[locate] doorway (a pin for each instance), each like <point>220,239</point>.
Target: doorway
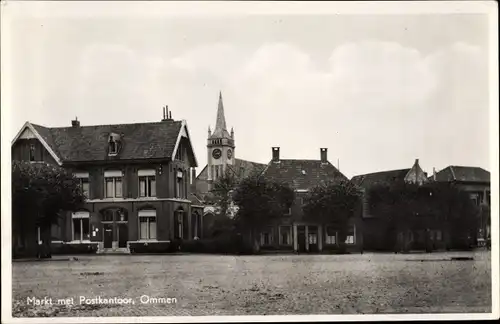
<point>108,236</point>
<point>301,238</point>
<point>122,235</point>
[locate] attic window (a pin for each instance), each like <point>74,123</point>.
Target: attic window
<point>113,145</point>
<point>32,152</point>
<point>178,154</point>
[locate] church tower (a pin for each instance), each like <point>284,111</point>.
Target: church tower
<point>220,147</point>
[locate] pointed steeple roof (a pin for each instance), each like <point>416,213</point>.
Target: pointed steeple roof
<point>220,130</point>
<point>220,123</point>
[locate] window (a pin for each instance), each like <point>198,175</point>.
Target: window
<point>350,238</point>
<point>113,148</point>
<point>147,224</point>
<point>32,152</point>
<point>195,220</point>
<point>180,187</point>
<point>330,235</point>
<point>285,235</point>
<point>107,215</point>
<point>266,238</point>
<point>288,211</point>
<point>312,238</point>
<point>147,183</point>
<point>39,235</point>
<point>178,154</point>
<point>438,235</point>
<point>81,226</point>
<point>83,178</point>
<point>113,184</point>
<point>180,223</point>
<point>216,172</point>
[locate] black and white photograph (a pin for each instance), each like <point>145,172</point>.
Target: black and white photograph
<point>214,161</point>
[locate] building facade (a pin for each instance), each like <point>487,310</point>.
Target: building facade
<point>476,182</point>
<point>293,231</point>
<point>136,178</point>
<point>378,234</point>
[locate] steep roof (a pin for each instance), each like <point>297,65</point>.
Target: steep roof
<point>302,174</point>
<point>463,174</point>
<point>376,178</point>
<point>156,140</point>
<point>220,130</point>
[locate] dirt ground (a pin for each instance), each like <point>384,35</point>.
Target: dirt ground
<point>199,285</point>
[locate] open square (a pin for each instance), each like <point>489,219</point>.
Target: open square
<point>205,285</point>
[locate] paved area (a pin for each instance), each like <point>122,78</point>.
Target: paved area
<point>254,285</point>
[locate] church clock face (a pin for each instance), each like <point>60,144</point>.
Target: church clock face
<point>229,154</point>
<point>216,154</point>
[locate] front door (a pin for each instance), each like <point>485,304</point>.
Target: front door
<point>301,238</point>
<point>122,235</point>
<point>108,236</point>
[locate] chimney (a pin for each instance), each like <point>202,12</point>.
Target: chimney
<point>324,156</point>
<point>165,113</point>
<point>434,175</point>
<point>169,115</point>
<point>416,161</point>
<point>276,154</point>
<point>75,123</point>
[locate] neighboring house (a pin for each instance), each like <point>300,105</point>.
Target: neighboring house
<point>376,235</point>
<point>136,178</point>
<point>292,231</point>
<point>473,180</point>
<point>221,160</point>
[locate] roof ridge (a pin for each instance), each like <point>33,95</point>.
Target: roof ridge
<point>122,124</point>
<point>379,172</point>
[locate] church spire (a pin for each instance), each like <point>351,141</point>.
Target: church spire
<point>220,123</point>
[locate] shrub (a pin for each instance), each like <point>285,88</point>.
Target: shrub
<point>151,247</point>
<point>61,248</point>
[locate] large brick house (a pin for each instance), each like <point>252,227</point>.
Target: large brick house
<point>136,178</point>
<point>476,182</point>
<point>377,235</point>
<point>292,231</point>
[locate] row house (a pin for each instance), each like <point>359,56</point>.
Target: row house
<point>136,177</point>
<point>293,231</point>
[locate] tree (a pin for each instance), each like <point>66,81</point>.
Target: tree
<point>259,201</point>
<point>333,203</point>
<point>40,192</point>
<point>404,207</point>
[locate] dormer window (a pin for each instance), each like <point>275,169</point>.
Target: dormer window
<point>113,144</point>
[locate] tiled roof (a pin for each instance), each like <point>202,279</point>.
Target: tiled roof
<point>89,143</point>
<point>302,174</point>
<point>243,168</point>
<point>384,177</point>
<point>463,174</point>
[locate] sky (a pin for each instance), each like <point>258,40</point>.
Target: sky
<point>378,91</point>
